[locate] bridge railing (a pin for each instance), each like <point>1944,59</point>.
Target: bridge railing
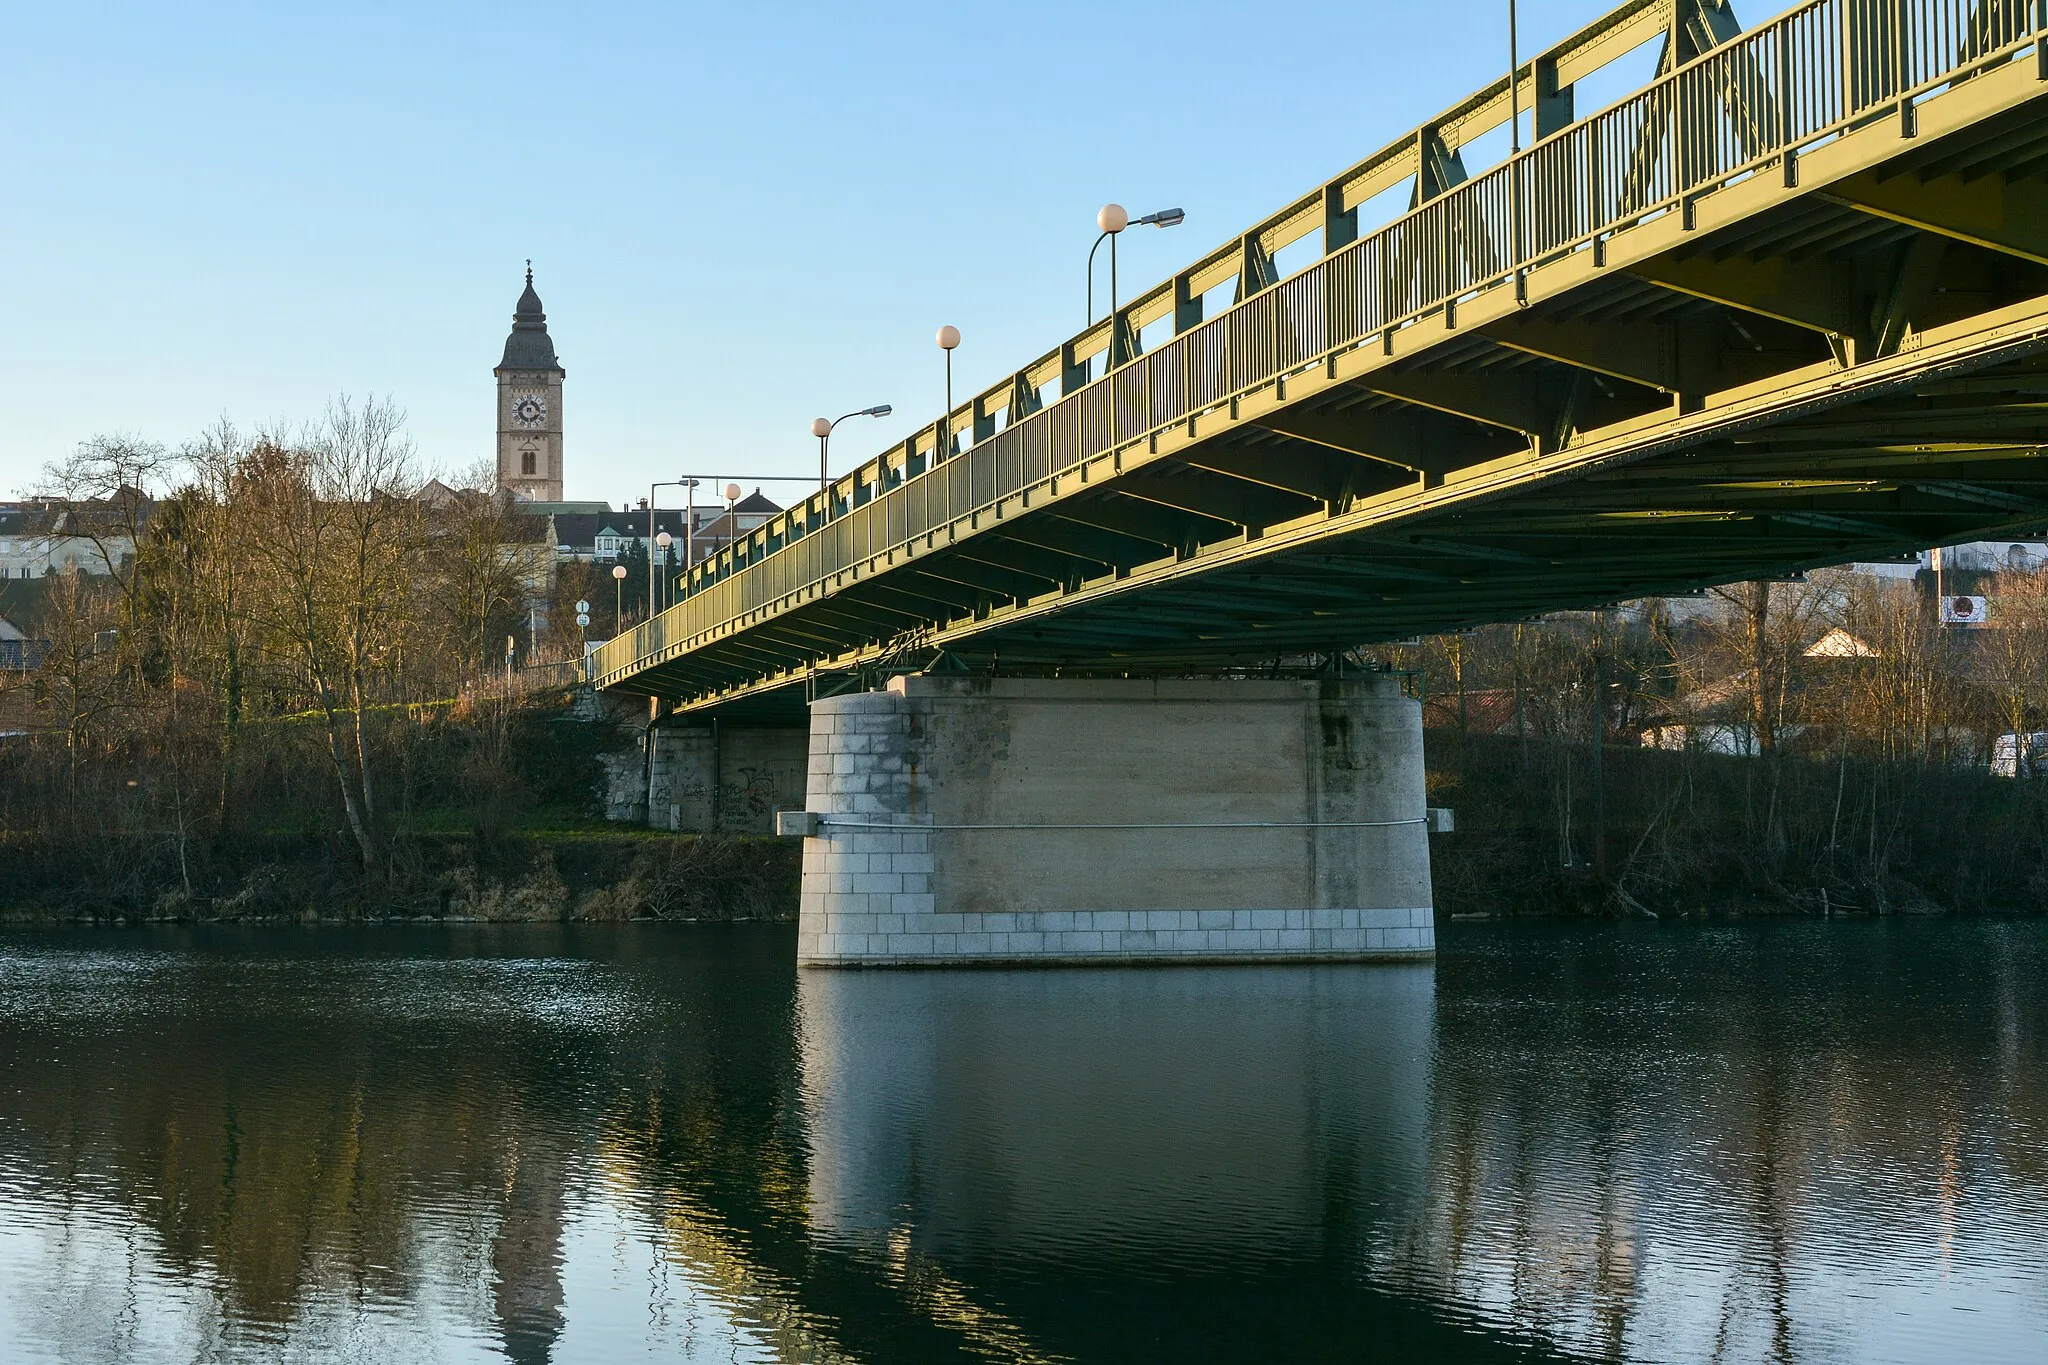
<point>1745,107</point>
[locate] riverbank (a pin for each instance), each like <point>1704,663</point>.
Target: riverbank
<point>489,808</point>
<point>590,875</point>
<point>1550,829</point>
<point>497,816</point>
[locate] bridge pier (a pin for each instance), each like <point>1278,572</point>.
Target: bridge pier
<point>713,777</point>
<point>975,820</point>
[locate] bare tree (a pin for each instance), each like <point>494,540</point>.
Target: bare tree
<point>80,679</point>
<point>102,492</point>
<point>488,562</point>
<point>2015,657</point>
<point>334,534</point>
<point>1762,639</point>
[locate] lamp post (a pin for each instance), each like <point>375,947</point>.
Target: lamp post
<point>662,542</point>
<point>821,427</point>
<point>1113,219</point>
<point>664,483</point>
<point>690,483</point>
<point>1514,87</point>
<point>1514,158</point>
<point>618,599</point>
<point>689,523</point>
<point>948,338</point>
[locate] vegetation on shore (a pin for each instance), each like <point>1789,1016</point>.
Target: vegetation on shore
<point>1820,746</point>
<point>494,817</point>
<point>291,701</point>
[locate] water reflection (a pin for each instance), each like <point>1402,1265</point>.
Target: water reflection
<point>241,1146</point>
<point>1201,1115</point>
<point>1803,1142</point>
<point>998,1139</point>
<point>1782,1142</point>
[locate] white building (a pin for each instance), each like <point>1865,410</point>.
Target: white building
<point>1977,556</point>
<point>38,538</point>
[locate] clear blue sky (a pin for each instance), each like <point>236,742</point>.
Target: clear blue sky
<point>740,216</point>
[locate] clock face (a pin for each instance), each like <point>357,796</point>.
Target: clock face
<point>530,409</point>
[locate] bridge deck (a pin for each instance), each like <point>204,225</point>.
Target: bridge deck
<point>1784,307</point>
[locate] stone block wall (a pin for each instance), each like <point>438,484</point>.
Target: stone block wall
<point>739,774</point>
<point>1087,821</point>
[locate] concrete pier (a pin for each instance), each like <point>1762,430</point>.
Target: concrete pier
<point>965,820</point>
<point>732,778</point>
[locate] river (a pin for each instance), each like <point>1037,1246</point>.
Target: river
<point>1759,1141</point>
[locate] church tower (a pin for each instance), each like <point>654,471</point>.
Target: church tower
<point>530,405</point>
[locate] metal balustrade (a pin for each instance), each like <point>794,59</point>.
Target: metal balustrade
<point>1744,107</point>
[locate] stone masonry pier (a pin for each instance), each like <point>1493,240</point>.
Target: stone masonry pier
<point>964,820</point>
<point>707,778</point>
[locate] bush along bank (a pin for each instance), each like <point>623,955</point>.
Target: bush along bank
<point>594,876</point>
<point>489,807</point>
<point>1550,828</point>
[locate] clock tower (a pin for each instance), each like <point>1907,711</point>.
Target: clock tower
<point>530,405</point>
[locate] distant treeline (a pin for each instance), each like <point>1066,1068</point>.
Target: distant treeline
<point>1820,745</point>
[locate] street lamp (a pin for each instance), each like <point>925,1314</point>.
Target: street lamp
<point>651,537</point>
<point>691,482</point>
<point>618,598</point>
<point>1514,87</point>
<point>948,338</point>
<point>689,523</point>
<point>821,428</point>
<point>1514,157</point>
<point>1113,219</point>
<point>661,543</point>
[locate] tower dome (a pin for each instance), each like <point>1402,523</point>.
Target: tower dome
<point>529,347</point>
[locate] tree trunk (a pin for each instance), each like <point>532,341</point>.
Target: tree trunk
<point>231,718</point>
<point>1599,767</point>
<point>1763,693</point>
<point>355,687</point>
<point>337,754</point>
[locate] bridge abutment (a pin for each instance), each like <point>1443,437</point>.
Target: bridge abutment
<point>967,820</point>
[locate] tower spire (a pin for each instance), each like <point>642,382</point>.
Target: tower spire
<point>530,404</point>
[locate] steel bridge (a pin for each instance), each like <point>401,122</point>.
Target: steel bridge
<point>1786,306</point>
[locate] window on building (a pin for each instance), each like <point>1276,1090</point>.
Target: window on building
<point>526,462</point>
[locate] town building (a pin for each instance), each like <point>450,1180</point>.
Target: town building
<point>23,642</point>
<point>603,536</point>
<point>530,404</point>
<point>47,535</point>
<point>529,464</point>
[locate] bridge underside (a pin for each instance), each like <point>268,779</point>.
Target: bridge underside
<point>1777,377</point>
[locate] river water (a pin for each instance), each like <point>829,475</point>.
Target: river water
<point>1806,1141</point>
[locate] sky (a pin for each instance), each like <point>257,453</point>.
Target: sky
<point>740,217</point>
